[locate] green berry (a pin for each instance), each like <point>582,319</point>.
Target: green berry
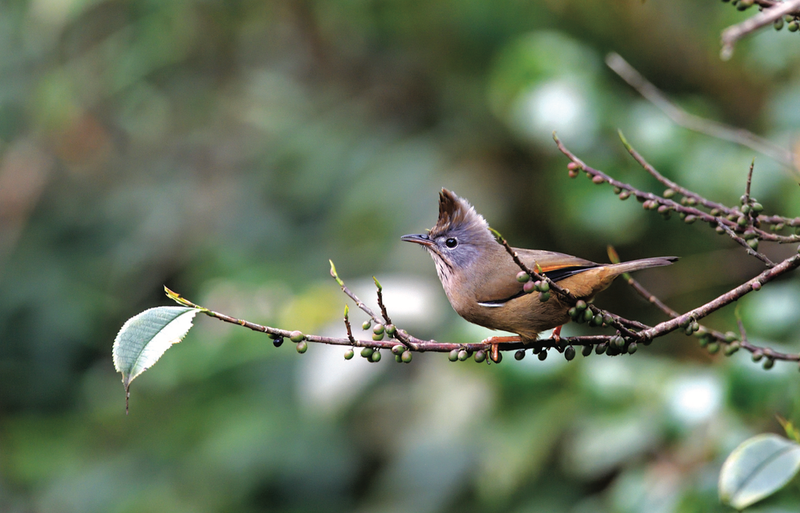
<point>377,336</point>
<point>544,287</point>
<point>296,336</point>
<point>523,277</point>
<point>453,356</point>
<point>367,352</point>
<point>366,325</point>
<point>398,349</point>
<point>572,312</point>
<point>529,287</point>
<point>601,348</point>
<point>713,347</point>
<point>406,356</point>
<point>624,195</point>
<point>598,179</point>
<point>632,347</point>
<point>669,193</point>
<point>597,320</point>
<point>778,24</point>
<point>544,296</point>
<point>732,348</point>
<point>378,329</point>
<point>768,363</point>
<point>793,26</point>
<point>391,329</point>
<point>348,355</point>
<point>463,355</point>
<point>730,336</point>
<point>376,356</point>
<point>569,353</point>
<point>757,355</point>
<point>519,355</point>
<point>302,347</point>
<point>690,219</point>
<point>587,315</point>
<point>587,350</point>
<point>753,243</point>
<point>480,356</point>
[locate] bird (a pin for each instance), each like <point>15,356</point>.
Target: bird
<point>479,277</point>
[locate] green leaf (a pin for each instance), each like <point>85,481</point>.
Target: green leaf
<point>145,337</point>
<point>757,468</point>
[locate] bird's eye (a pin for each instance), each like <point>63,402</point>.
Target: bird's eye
<point>451,243</point>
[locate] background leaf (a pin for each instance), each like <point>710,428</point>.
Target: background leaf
<point>758,468</point>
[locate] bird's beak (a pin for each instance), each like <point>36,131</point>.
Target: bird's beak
<point>418,238</point>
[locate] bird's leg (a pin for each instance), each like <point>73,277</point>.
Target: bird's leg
<point>557,334</point>
<point>495,341</point>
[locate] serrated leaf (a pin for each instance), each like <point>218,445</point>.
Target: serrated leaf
<point>145,337</point>
<point>759,467</point>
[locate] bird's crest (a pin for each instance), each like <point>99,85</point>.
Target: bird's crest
<point>456,213</point>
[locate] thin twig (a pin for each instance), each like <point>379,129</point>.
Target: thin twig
<point>705,126</point>
<point>746,246</point>
<point>734,33</point>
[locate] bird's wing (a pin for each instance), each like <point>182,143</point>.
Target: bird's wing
<point>504,285</point>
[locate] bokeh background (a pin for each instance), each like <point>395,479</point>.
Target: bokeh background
<point>229,149</point>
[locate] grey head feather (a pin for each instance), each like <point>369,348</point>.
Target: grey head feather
<point>458,220</point>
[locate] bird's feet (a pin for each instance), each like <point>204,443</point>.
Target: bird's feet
<point>494,354</point>
<point>557,334</point>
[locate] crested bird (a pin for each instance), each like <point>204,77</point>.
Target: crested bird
<point>479,276</point>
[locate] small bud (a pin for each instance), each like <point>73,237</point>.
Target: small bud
<point>732,348</point>
<point>544,296</point>
<point>742,221</point>
<point>587,350</point>
<point>617,190</point>
<point>376,356</point>
<point>480,356</point>
<point>624,195</point>
<point>690,219</point>
<point>453,356</point>
<point>572,173</point>
<point>768,363</point>
<point>758,207</point>
<point>569,353</point>
<point>749,234</point>
<point>632,347</point>
<point>757,355</point>
<point>713,347</point>
<point>349,354</point>
<point>296,336</point>
<point>669,193</point>
<point>398,349</point>
<point>753,243</point>
<point>793,26</point>
<point>778,24</point>
<point>714,212</point>
<point>756,286</point>
<point>523,277</point>
<point>463,355</point>
<point>302,346</point>
<point>366,325</point>
<point>704,341</point>
<point>572,166</point>
<point>598,179</point>
<point>719,229</point>
<point>730,336</point>
<point>278,342</point>
<point>542,355</point>
<point>777,227</point>
<point>745,209</point>
<point>519,355</point>
<point>406,356</point>
<point>367,352</point>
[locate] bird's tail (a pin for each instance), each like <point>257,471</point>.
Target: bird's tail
<point>644,263</point>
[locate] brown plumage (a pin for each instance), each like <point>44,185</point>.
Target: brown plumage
<point>479,277</point>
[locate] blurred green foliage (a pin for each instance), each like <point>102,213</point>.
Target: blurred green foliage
<point>229,149</point>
